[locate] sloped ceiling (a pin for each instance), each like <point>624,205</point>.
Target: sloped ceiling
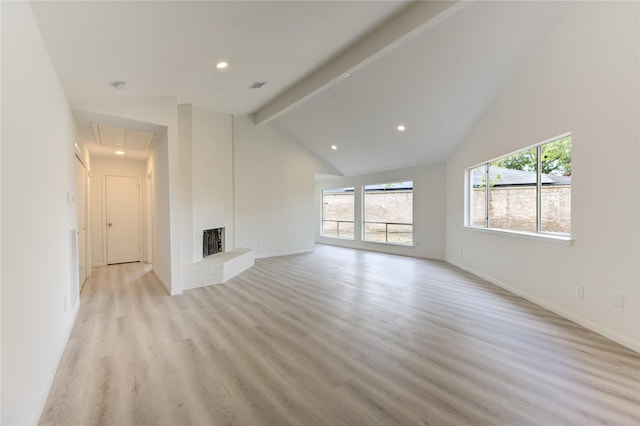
<point>438,81</point>
<point>438,85</point>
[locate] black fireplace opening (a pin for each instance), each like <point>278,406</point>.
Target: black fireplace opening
<point>212,241</point>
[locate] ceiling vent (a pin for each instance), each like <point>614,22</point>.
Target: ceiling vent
<point>257,84</point>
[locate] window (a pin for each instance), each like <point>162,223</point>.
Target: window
<point>338,213</point>
<point>388,213</point>
<point>528,191</point>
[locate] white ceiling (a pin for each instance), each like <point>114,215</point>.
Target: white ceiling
<point>170,48</point>
<point>438,80</point>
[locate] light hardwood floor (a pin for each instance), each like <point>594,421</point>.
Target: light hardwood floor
<point>334,337</point>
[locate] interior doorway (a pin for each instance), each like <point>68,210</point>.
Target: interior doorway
<point>123,223</point>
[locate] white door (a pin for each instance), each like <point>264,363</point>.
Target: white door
<point>122,200</point>
<point>81,205</point>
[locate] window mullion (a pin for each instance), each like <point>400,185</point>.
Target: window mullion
<point>486,203</point>
<point>538,188</point>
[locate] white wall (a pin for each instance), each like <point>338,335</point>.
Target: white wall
<point>158,169</point>
<point>100,168</point>
<point>206,174</point>
<point>185,197</point>
<point>428,210</point>
<point>212,177</point>
<point>583,79</point>
<point>82,152</point>
<point>38,136</point>
<point>274,190</point>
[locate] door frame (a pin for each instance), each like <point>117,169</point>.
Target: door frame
<point>87,240</point>
<point>104,214</point>
<point>149,216</point>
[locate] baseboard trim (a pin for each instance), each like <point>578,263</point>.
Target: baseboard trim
<point>163,282</point>
<point>371,249</point>
<point>60,352</point>
<point>286,253</point>
<point>603,331</point>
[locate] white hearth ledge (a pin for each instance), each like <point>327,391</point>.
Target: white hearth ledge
<point>217,269</point>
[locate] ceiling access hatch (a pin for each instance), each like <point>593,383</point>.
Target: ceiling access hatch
<point>120,137</point>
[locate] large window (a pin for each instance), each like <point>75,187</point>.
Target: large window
<point>528,191</point>
<point>338,213</point>
<point>388,213</point>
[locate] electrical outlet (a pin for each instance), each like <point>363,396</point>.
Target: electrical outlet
<point>618,300</point>
<point>580,291</point>
<point>66,303</point>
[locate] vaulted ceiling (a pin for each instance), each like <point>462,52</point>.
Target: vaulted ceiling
<point>434,67</point>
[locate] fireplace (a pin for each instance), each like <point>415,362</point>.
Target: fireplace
<point>212,241</point>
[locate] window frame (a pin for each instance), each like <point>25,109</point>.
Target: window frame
<point>363,222</point>
<point>323,220</point>
<point>539,233</point>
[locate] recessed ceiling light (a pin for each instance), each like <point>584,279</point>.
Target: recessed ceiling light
<point>120,85</point>
<point>334,147</point>
<point>401,127</point>
<point>119,152</point>
<point>345,75</point>
<point>222,65</point>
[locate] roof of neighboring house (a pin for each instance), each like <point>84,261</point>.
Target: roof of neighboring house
<point>393,186</point>
<point>500,176</point>
<point>338,190</point>
<point>390,186</point>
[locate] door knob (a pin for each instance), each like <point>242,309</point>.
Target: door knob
<point>109,224</point>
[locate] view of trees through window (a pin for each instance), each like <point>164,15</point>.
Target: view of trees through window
<point>527,191</point>
<point>338,210</point>
<point>388,213</point>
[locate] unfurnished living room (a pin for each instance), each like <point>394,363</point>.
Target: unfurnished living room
<point>320,212</point>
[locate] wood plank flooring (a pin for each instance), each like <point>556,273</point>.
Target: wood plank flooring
<point>334,337</point>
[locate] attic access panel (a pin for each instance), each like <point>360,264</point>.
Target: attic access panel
<point>120,137</point>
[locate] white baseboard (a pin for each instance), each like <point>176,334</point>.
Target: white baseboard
<point>163,282</point>
<point>603,331</point>
<point>59,353</point>
<point>381,250</point>
<point>286,253</point>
